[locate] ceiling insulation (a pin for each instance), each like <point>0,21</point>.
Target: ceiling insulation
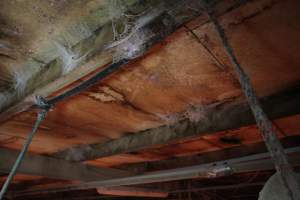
<point>175,101</point>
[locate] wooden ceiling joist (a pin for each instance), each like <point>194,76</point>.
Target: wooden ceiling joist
<point>141,120</point>
<point>55,168</point>
<point>131,192</point>
<point>227,116</point>
<point>208,157</point>
<point>59,169</point>
<point>250,163</point>
<point>182,13</point>
<point>157,24</point>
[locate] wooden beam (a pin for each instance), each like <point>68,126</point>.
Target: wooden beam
<point>154,23</point>
<point>207,157</point>
<point>131,192</point>
<point>55,168</point>
<point>99,58</point>
<point>225,117</point>
<point>257,162</point>
<point>59,169</point>
<point>82,71</point>
<point>158,165</point>
<point>241,151</point>
<point>220,187</point>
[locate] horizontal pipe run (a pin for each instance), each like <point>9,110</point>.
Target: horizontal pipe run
<point>255,162</point>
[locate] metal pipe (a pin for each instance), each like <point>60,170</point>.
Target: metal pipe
<point>206,171</point>
<point>86,84</point>
<point>219,187</point>
<point>209,170</point>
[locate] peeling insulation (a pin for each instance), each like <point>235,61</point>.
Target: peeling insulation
<point>65,51</point>
<point>176,103</point>
<point>119,30</point>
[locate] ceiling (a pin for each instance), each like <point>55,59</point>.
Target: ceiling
<point>177,103</point>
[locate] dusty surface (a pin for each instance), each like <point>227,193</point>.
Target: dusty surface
<point>176,74</point>
<point>289,126</point>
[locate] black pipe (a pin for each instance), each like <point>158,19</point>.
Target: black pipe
<point>84,85</point>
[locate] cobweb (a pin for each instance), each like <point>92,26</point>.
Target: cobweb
<point>128,37</point>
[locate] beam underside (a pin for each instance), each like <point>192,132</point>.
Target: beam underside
<point>257,162</point>
<point>226,117</point>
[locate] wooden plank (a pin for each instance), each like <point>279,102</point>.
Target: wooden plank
<point>54,86</point>
<point>98,60</point>
<point>55,168</point>
<point>213,156</point>
<point>131,192</point>
<point>149,77</point>
<point>221,187</point>
<point>227,116</point>
<point>256,162</point>
<point>96,44</point>
<point>201,145</point>
<point>59,169</point>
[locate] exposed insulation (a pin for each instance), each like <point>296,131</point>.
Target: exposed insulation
<point>180,100</point>
<point>71,46</point>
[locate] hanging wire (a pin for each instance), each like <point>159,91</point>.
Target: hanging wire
<point>264,124</point>
<point>44,108</point>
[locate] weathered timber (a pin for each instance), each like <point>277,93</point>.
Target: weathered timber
<point>214,156</point>
<point>59,169</point>
<point>97,57</point>
<point>131,192</point>
<point>250,163</point>
<point>164,18</point>
<point>220,187</point>
<point>224,117</point>
<point>56,168</point>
